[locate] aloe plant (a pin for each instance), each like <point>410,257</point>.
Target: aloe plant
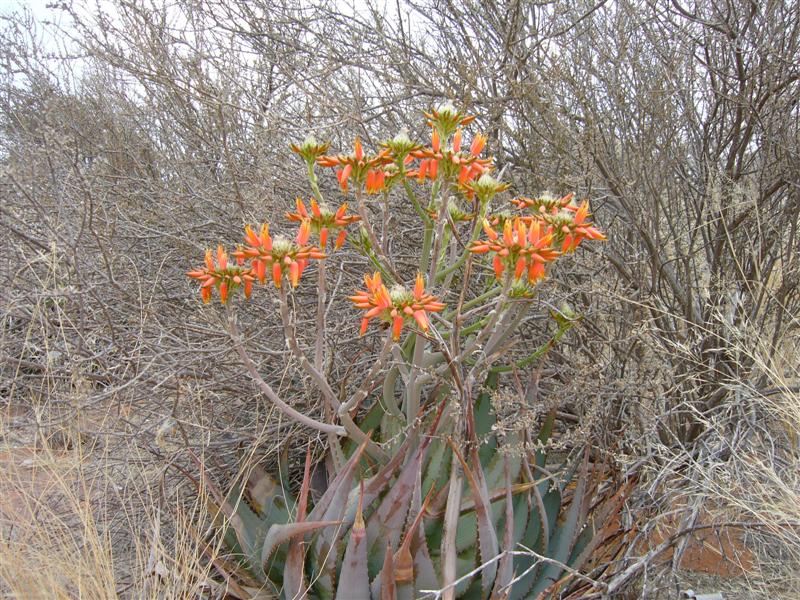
<point>424,495</point>
<point>391,530</point>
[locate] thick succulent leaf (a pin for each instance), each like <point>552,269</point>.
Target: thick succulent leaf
<point>334,500</point>
<point>386,523</point>
<point>294,585</point>
<point>466,562</point>
<point>279,534</point>
<point>424,571</point>
<point>565,532</point>
<point>371,421</point>
<point>268,499</point>
<point>332,506</point>
<point>544,435</point>
<point>494,469</point>
<point>487,536</point>
<point>391,431</point>
<point>474,591</point>
<point>384,587</point>
<point>505,568</point>
<point>437,470</point>
<point>376,484</point>
<point>239,517</point>
<point>449,552</point>
<point>353,578</point>
<point>485,419</point>
<point>544,511</point>
<point>467,535</point>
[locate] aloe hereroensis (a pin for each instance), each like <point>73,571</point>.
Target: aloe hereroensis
<point>426,493</point>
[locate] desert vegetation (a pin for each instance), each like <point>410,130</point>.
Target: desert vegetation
<point>645,388</point>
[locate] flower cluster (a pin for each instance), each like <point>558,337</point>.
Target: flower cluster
<point>396,306</point>
<point>222,275</point>
<point>359,167</point>
<point>518,243</point>
<point>446,118</point>
<point>451,162</point>
<point>310,150</point>
<point>571,227</point>
<point>548,227</point>
<point>280,254</point>
<point>523,248</point>
<point>545,203</point>
<point>324,221</point>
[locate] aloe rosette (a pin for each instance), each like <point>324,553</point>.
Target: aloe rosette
<point>382,531</point>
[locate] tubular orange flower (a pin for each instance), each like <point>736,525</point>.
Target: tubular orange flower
<point>397,306</point>
<point>222,275</point>
<point>523,248</point>
<point>283,255</point>
<point>571,228</point>
<point>451,163</point>
<point>478,144</point>
<point>457,140</point>
<point>323,221</point>
<point>356,165</point>
<point>376,181</point>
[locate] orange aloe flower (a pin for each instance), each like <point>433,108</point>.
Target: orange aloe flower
<point>324,221</point>
<point>397,306</point>
<point>358,166</point>
<point>478,144</point>
<point>525,249</point>
<point>282,255</point>
<point>451,161</point>
<point>546,203</point>
<point>222,275</point>
<point>446,118</point>
<point>571,228</point>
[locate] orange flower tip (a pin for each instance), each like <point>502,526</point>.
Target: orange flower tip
<point>359,150</point>
<point>457,141</point>
<point>397,327</point>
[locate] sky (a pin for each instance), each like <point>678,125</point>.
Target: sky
<point>38,8</point>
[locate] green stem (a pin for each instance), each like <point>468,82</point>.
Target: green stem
<point>414,202</point>
<point>537,354</point>
<point>476,230</point>
<point>312,179</point>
